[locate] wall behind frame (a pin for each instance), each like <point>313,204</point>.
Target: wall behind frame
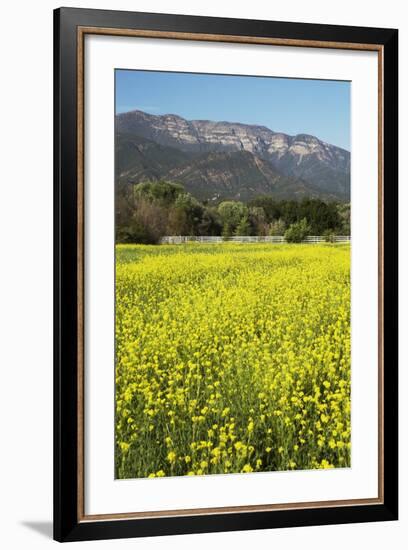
<point>26,274</point>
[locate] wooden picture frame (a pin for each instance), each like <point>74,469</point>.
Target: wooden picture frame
<point>70,28</point>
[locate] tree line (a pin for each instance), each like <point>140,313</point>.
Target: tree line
<point>150,210</point>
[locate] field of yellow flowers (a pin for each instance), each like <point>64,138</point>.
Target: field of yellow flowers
<point>231,358</point>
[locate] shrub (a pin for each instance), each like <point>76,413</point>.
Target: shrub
<point>329,236</point>
<point>297,231</point>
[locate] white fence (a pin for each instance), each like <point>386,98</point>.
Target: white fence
<point>180,239</point>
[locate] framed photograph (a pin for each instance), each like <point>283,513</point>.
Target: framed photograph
<point>225,274</point>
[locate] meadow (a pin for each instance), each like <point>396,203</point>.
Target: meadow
<point>231,358</point>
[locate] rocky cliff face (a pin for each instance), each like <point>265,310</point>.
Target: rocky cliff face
<point>325,167</point>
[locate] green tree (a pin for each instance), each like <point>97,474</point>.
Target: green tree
<point>192,212</point>
<point>210,223</point>
<point>277,227</point>
<point>163,192</point>
<point>271,207</point>
<point>321,216</point>
<point>344,214</point>
<point>231,213</point>
<point>226,231</point>
<point>146,224</point>
<point>257,220</point>
<point>297,231</point>
<point>243,228</point>
<point>177,222</point>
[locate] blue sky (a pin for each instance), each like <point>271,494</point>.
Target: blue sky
<point>292,106</point>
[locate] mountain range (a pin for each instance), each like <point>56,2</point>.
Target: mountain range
<point>228,160</point>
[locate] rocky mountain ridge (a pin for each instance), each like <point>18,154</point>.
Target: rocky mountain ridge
<point>304,158</point>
